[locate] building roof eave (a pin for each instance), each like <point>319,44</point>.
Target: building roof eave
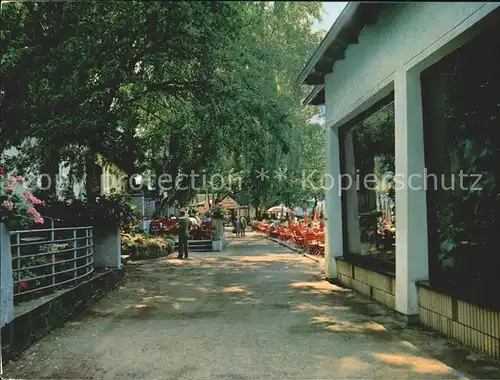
<point>344,32</point>
<point>316,97</point>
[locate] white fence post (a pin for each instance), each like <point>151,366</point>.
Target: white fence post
<point>108,249</point>
<point>218,242</point>
<point>6,280</point>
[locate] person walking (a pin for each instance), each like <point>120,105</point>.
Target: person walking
<point>184,226</point>
<point>237,226</point>
<point>243,222</point>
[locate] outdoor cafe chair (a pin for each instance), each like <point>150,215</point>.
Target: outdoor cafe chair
<point>310,242</point>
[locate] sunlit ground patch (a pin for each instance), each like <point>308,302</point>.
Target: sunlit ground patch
<point>308,306</point>
<point>336,325</point>
<point>321,286</point>
<point>189,299</point>
<point>235,289</point>
<point>415,363</point>
<point>270,258</point>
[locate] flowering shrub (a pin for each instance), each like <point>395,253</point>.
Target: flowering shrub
<point>217,212</point>
<point>17,205</point>
<point>144,246</point>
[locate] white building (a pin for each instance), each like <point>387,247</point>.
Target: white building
<point>372,52</point>
<point>110,176</point>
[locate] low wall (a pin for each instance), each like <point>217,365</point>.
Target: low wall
<point>472,325</point>
<point>34,323</point>
<point>377,285</point>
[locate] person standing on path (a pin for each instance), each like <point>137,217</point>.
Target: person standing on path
<point>237,226</point>
<point>243,222</point>
<point>184,226</point>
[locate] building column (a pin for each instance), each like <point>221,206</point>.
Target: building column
<point>411,205</point>
<point>333,204</point>
<point>351,194</point>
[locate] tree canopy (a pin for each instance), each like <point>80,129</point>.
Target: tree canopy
<point>163,86</point>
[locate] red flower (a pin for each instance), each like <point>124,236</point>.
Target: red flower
<point>2,171</point>
<point>21,285</point>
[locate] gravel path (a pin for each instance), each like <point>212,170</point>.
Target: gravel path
<point>254,311</point>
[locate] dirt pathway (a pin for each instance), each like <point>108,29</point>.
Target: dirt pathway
<point>254,311</point>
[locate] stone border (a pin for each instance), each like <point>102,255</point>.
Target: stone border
<point>471,325</point>
<point>32,325</point>
<point>378,286</point>
<point>294,249</point>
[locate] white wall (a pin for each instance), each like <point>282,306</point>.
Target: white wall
<point>403,35</point>
<point>390,56</point>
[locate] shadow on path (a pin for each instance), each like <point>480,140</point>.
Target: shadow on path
<point>255,310</point>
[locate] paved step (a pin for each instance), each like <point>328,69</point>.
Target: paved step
<point>197,245</point>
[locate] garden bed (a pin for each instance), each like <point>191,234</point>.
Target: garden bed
<point>144,246</point>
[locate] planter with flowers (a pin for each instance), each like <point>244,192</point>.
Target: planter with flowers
<point>217,215</point>
<point>144,246</point>
<point>17,211</point>
<point>109,215</point>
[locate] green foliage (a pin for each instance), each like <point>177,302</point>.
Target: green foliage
<point>103,212</point>
<point>162,86</point>
<point>471,216</point>
<point>217,212</point>
<point>49,256</point>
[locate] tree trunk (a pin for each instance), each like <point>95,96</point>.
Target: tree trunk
<point>93,173</point>
<point>50,166</point>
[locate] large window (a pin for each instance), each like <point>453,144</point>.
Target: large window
<point>461,105</point>
<point>367,161</point>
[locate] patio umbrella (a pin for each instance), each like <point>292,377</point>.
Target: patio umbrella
<point>276,209</point>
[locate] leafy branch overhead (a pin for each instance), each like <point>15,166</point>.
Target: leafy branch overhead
<point>166,86</point>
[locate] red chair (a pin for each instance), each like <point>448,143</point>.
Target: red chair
<point>289,234</point>
<point>273,232</point>
<point>298,238</point>
<point>320,248</point>
<point>310,242</point>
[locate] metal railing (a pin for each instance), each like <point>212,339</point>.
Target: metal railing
<point>46,260</point>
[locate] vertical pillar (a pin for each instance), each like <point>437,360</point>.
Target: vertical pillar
<point>411,205</point>
<point>107,248</point>
<point>6,280</point>
<point>333,204</point>
<point>351,194</point>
